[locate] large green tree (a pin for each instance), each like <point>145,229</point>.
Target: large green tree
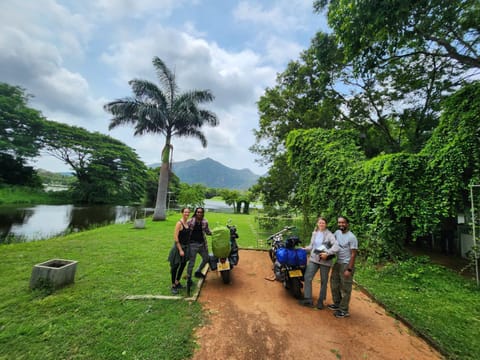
<point>107,170</point>
<point>377,31</point>
<point>394,198</point>
<point>394,109</point>
<point>19,127</point>
<point>163,110</point>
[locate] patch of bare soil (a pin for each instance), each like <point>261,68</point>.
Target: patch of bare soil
<point>256,318</point>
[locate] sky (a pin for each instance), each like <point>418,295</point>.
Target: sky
<point>75,56</point>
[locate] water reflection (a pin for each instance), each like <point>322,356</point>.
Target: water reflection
<point>44,221</point>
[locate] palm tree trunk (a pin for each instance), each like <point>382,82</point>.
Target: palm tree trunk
<point>160,213</point>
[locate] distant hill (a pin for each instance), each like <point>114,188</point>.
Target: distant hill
<point>212,174</point>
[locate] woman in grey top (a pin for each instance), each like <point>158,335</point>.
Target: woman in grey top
<point>322,241</point>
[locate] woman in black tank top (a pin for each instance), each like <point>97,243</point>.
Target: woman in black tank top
<point>178,256</point>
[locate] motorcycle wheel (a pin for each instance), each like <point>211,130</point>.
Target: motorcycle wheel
<point>225,276</point>
<point>271,253</point>
<point>294,285</point>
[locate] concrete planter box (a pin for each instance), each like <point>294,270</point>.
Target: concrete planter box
<point>54,273</point>
<point>139,224</point>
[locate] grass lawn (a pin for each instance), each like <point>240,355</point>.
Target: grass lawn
<point>25,195</point>
<point>435,301</point>
<point>91,319</point>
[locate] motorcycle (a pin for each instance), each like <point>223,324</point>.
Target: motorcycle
<point>289,262</point>
<point>225,252</point>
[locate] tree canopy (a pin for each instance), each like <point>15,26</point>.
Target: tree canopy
<point>375,31</point>
<point>163,110</point>
<point>107,170</point>
<point>354,125</point>
<point>20,126</point>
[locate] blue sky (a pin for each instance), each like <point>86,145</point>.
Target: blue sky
<point>74,56</point>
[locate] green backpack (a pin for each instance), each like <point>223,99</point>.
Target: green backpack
<point>221,241</point>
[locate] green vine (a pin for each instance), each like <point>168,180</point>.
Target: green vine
<point>391,199</point>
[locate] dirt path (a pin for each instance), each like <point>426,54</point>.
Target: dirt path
<point>254,318</point>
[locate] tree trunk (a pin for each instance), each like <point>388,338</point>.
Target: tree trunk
<point>160,213</point>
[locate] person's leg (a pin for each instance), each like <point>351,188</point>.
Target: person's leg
<point>173,272</point>
<point>335,283</point>
<point>324,271</point>
<point>310,272</point>
<point>204,254</point>
<point>180,271</point>
<point>346,290</point>
<point>193,249</point>
<point>183,263</point>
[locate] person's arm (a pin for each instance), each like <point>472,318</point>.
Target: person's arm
<point>177,241</point>
<point>207,229</point>
<point>332,250</point>
<point>310,246</point>
<point>351,263</point>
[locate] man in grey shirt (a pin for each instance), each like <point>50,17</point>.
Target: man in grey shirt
<point>341,278</point>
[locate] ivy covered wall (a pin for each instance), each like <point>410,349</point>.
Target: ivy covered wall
<point>391,199</point>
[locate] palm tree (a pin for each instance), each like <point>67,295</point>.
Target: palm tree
<point>163,110</point>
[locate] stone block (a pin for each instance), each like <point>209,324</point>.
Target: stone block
<point>54,273</point>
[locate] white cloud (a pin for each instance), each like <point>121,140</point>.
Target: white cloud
<point>280,16</point>
<point>76,56</point>
<point>113,10</point>
<point>197,63</point>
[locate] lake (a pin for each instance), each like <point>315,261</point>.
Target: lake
<point>36,222</point>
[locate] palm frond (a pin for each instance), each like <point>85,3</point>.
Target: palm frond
<point>147,91</point>
<point>196,133</point>
<point>196,96</point>
<point>123,110</point>
<point>209,117</point>
<point>161,109</point>
<point>166,77</point>
<point>151,119</point>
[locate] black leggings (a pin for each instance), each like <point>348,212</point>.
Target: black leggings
<point>177,270</point>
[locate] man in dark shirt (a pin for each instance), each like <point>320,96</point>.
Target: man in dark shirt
<point>198,226</point>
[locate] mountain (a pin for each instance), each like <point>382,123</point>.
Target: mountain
<point>212,174</point>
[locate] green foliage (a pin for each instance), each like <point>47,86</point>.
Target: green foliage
<point>19,124</point>
<point>151,186</point>
<point>191,196</point>
<point>19,130</point>
<point>56,179</point>
<point>374,31</point>
<point>390,199</point>
<point>14,172</point>
<point>275,188</point>
<point>230,197</point>
<point>212,192</point>
<point>106,170</point>
<point>454,151</point>
<point>28,195</point>
<point>324,162</point>
<point>437,302</point>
